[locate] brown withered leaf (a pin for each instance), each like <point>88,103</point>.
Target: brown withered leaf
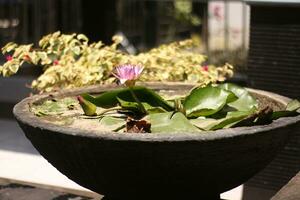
<point>263,116</point>
<point>137,126</point>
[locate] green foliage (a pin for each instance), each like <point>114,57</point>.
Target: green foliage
<point>124,96</point>
<point>183,11</point>
<point>54,107</point>
<point>244,102</point>
<point>71,61</point>
<point>213,124</point>
<point>203,109</point>
<point>207,101</point>
<point>135,107</point>
<point>112,123</point>
<point>170,122</point>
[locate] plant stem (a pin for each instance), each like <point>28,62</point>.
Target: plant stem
<point>100,115</point>
<point>137,100</point>
<point>109,109</point>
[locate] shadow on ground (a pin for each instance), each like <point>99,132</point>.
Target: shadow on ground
<point>12,137</point>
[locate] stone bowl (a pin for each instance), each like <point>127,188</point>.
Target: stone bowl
<point>157,166</point>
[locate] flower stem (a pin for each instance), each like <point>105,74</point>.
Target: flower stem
<point>137,100</point>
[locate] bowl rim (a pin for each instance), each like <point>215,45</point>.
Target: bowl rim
<point>24,116</point>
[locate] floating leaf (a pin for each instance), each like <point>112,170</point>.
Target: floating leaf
<point>145,95</point>
<point>245,100</point>
<point>214,124</point>
<point>204,123</point>
<point>112,123</point>
<point>284,113</point>
<point>207,101</point>
<point>106,99</point>
<point>291,110</point>
<point>170,122</point>
<point>134,106</point>
<point>53,107</point>
<point>129,105</point>
<point>231,119</point>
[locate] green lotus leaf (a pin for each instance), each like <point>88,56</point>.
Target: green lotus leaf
<point>245,100</point>
<point>53,106</point>
<point>204,123</point>
<point>105,100</point>
<point>112,123</point>
<point>213,124</point>
<point>170,122</point>
<point>135,107</point>
<point>145,95</point>
<point>284,113</point>
<point>207,101</point>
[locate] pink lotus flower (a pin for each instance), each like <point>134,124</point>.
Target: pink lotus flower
<point>128,74</point>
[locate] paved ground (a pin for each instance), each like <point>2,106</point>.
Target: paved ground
<point>20,161</point>
<point>14,190</point>
<point>12,138</point>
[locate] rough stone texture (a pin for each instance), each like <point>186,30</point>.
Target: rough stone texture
<point>174,166</point>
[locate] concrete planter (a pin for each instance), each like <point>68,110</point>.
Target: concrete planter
<point>154,166</point>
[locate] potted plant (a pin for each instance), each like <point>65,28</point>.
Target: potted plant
<point>158,140</point>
